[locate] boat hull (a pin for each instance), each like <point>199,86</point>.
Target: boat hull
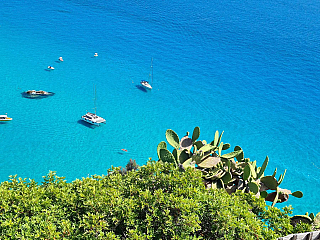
<point>91,122</point>
<point>6,120</point>
<point>36,94</point>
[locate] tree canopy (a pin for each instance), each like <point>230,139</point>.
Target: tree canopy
<point>156,201</point>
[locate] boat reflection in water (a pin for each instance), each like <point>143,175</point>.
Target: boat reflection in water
<point>36,94</point>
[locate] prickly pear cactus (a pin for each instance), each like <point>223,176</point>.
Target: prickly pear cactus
<point>161,145</point>
<point>173,138</point>
<point>167,156</point>
<point>231,171</point>
<point>270,182</point>
<point>263,168</point>
<point>195,134</point>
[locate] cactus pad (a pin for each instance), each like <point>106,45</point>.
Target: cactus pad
<point>209,162</point>
<point>246,172</point>
<point>253,186</point>
<point>195,134</point>
<point>166,156</point>
<point>263,167</point>
<point>161,145</point>
<point>232,154</point>
<point>270,182</point>
<point>173,138</point>
<point>297,194</point>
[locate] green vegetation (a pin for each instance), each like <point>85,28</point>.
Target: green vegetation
<point>157,201</point>
<point>193,192</point>
<point>230,171</point>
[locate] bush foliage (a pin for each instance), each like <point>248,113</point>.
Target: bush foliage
<point>157,201</point>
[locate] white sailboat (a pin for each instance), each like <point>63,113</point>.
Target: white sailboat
<point>145,83</point>
<point>93,118</point>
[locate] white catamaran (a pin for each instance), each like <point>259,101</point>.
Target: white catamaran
<point>145,83</point>
<point>93,118</point>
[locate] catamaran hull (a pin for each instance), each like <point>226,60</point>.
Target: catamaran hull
<point>88,121</point>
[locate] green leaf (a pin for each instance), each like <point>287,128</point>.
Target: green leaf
<point>232,154</point>
<point>263,167</point>
<point>226,146</point>
<point>219,138</point>
<point>184,155</point>
<point>216,138</point>
<point>175,153</point>
<point>311,215</point>
<point>166,156</point>
<point>254,187</point>
<point>209,162</point>
<point>161,145</point>
<point>270,182</point>
<point>195,134</point>
<point>246,172</point>
<point>226,178</point>
<point>187,163</point>
<point>275,199</point>
<point>173,138</point>
<point>227,163</point>
<point>263,194</point>
<point>297,194</point>
<point>240,157</point>
<point>207,148</point>
<point>198,144</point>
<point>220,148</point>
<point>252,169</point>
<point>282,176</point>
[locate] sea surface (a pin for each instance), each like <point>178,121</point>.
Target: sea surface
<point>248,68</point>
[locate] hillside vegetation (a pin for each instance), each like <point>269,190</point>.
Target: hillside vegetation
<point>156,201</point>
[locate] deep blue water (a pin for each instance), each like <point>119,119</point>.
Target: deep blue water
<point>248,68</point>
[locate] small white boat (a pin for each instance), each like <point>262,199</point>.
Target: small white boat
<point>39,93</point>
<point>96,55</point>
<point>93,118</point>
<point>60,59</point>
<point>145,83</point>
<point>5,118</point>
<point>50,67</point>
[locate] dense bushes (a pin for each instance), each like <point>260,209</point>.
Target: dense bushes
<point>155,202</point>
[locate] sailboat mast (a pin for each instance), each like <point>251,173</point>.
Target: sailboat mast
<point>151,72</point>
<point>95,99</point>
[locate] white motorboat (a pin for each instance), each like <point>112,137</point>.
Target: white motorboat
<point>38,93</point>
<point>5,118</point>
<point>50,67</point>
<point>145,83</point>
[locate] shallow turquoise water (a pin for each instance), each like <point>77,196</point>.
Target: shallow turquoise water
<point>250,69</point>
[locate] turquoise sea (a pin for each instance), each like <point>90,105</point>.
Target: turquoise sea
<point>248,68</point>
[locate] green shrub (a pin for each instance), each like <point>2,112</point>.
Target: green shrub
<point>155,202</point>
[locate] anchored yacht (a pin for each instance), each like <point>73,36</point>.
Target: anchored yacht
<point>93,118</point>
<point>145,83</point>
<point>5,118</point>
